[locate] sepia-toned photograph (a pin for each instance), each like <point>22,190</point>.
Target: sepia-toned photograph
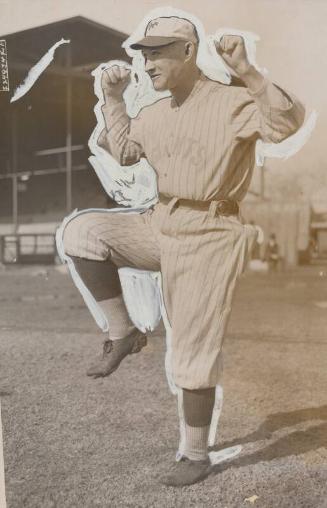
<point>163,254</point>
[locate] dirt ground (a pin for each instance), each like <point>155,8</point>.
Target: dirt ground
<point>70,441</point>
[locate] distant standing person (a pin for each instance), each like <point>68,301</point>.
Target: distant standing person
<point>272,253</point>
<point>256,247</point>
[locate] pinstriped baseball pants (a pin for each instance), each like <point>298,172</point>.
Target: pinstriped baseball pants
<point>200,256</point>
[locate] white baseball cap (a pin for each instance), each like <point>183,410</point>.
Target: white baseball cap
<point>163,31</point>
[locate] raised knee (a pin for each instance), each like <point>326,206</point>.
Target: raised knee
<point>70,236</point>
<point>74,236</point>
<point>81,238</point>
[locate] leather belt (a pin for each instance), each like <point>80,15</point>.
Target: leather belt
<point>221,206</point>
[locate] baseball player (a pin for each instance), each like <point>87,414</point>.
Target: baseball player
<point>201,143</point>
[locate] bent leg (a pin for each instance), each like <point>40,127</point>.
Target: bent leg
<point>101,278</point>
<point>128,239</point>
<point>99,243</point>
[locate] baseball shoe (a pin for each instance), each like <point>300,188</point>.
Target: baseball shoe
<point>114,351</point>
<point>187,472</point>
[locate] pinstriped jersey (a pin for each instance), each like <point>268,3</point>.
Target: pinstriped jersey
<point>205,148</point>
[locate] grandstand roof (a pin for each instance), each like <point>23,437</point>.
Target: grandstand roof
<point>91,43</point>
<point>48,128</point>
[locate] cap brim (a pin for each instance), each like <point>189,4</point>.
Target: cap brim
<point>153,42</point>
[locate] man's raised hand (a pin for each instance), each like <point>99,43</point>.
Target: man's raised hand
<point>114,81</point>
<point>232,50</point>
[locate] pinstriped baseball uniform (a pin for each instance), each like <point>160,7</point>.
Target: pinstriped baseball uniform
<point>202,150</point>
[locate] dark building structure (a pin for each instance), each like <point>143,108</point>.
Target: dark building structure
<point>44,169</point>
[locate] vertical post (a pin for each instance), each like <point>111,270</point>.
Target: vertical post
<point>15,202</point>
<point>2,469</point>
<point>262,182</point>
<point>68,130</point>
<point>14,169</point>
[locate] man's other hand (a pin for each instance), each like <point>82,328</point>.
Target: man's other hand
<point>114,81</point>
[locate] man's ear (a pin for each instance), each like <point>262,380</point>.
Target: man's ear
<point>189,50</point>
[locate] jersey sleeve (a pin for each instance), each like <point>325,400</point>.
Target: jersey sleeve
<point>122,137</point>
<point>270,113</point>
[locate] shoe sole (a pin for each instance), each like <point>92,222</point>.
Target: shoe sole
<point>97,376</point>
<point>201,478</point>
<point>138,345</point>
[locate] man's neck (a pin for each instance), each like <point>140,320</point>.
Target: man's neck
<point>183,90</point>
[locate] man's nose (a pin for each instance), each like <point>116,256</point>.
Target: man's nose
<point>149,66</point>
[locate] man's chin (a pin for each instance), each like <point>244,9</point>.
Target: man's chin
<point>158,85</point>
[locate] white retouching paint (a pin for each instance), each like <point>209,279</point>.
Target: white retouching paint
<point>208,61</point>
<point>289,146</point>
<point>182,426</point>
<point>215,457</point>
<point>169,336</point>
<point>250,40</point>
<point>91,303</point>
<point>35,72</point>
<point>219,398</point>
<point>143,296</point>
<point>135,186</point>
<point>225,454</point>
<point>213,66</point>
<point>2,468</point>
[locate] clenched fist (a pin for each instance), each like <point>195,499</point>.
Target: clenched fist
<point>232,50</point>
<point>114,81</point>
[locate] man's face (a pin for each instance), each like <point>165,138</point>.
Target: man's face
<point>165,64</point>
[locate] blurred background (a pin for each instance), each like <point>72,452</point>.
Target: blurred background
<point>44,169</point>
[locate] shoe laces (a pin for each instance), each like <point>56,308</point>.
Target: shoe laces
<point>107,347</point>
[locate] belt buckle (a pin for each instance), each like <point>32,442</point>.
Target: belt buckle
<point>223,207</point>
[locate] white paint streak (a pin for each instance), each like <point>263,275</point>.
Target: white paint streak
<point>182,426</point>
<point>141,296</point>
<point>225,454</point>
<point>213,66</point>
<point>250,40</point>
<point>215,457</point>
<point>135,185</point>
<point>89,299</point>
<point>208,61</point>
<point>289,146</point>
<point>2,469</point>
<point>219,398</point>
<point>36,71</point>
<point>169,336</point>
